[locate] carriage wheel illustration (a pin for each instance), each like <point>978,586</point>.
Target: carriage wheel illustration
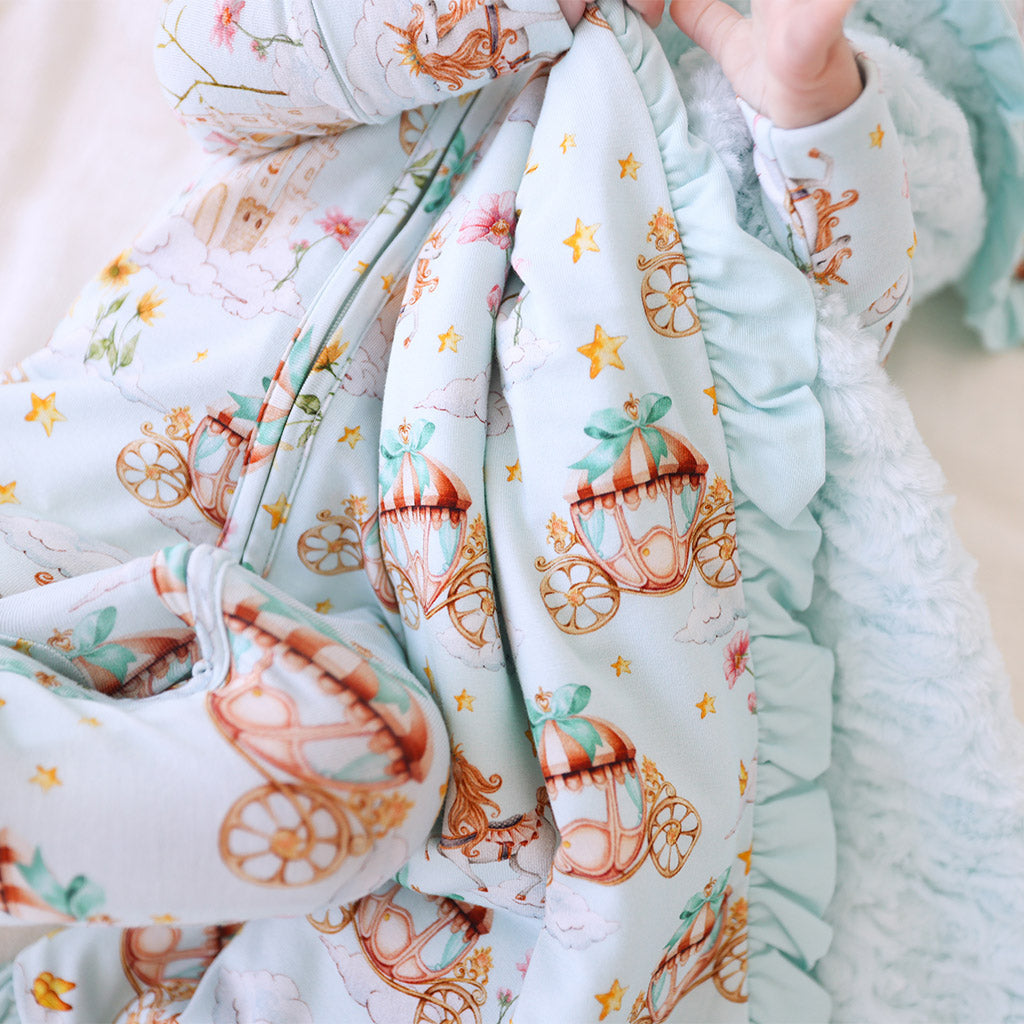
<point>282,834</point>
<point>579,595</point>
<point>471,604</point>
<point>411,125</point>
<point>153,470</point>
<point>333,548</point>
<point>730,975</point>
<point>667,296</point>
<point>334,920</point>
<point>672,834</point>
<point>714,550</point>
<point>446,1003</point>
<point>405,594</point>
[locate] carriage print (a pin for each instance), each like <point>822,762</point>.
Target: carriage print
<point>163,470</point>
<point>643,515</point>
<point>614,813</point>
<point>424,947</point>
<point>164,967</point>
<point>709,944</point>
<point>666,291</point>
<point>437,559</point>
<point>346,541</point>
<point>329,780</point>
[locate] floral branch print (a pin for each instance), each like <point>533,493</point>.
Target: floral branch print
<point>737,658</point>
<point>226,23</point>
<point>494,219</point>
<point>505,1002</point>
<point>335,224</point>
<point>209,79</point>
<point>115,345</point>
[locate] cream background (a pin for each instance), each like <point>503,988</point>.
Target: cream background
<point>91,152</point>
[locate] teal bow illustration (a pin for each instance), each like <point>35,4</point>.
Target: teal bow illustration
<point>615,429</point>
<point>697,902</point>
<point>78,899</point>
<point>563,708</point>
<point>393,449</point>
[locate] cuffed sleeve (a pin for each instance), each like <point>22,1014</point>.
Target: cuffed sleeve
<point>839,202</point>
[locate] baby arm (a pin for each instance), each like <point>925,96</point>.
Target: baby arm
<point>825,148</point>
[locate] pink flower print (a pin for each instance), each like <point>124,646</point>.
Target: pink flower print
<point>752,702</point>
<point>259,49</point>
<point>342,227</point>
<point>494,299</point>
<point>494,219</point>
<point>737,654</point>
<point>223,32</point>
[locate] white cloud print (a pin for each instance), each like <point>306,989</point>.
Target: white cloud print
<point>713,615</point>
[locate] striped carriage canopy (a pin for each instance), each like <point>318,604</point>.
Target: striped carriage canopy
<point>637,466</point>
<point>443,489</point>
<point>562,752</point>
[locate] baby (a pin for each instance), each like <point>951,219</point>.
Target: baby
<point>418,639</point>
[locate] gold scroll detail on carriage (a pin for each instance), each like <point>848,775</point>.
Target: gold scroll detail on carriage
<point>436,557</point>
<point>298,829</point>
<point>666,291</point>
<point>163,470</point>
<point>711,944</point>
<point>425,946</point>
<point>613,813</point>
<point>642,514</point>
<point>345,542</point>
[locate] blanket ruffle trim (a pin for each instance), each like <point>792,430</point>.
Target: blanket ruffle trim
<point>763,361</point>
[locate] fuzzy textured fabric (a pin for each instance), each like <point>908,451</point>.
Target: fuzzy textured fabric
<point>927,776</point>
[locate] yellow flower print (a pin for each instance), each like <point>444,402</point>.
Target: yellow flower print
<point>148,307</point>
<point>116,273</point>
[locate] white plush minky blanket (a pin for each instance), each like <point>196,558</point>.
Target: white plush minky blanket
<point>91,152</point>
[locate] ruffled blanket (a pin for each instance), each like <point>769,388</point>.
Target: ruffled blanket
<point>503,540</point>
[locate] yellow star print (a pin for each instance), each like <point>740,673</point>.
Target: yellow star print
<point>351,437</point>
<point>93,722</point>
<point>387,282</point>
<point>582,240</point>
<point>629,167</point>
<point>45,778</point>
<point>621,665</point>
<point>47,990</point>
<point>712,393</point>
<point>200,356</point>
<point>163,918</point>
<point>45,412</point>
<point>323,607</point>
<point>449,340</point>
<point>464,701</point>
<point>912,249</point>
<point>744,778</point>
<point>23,646</point>
<point>7,495</point>
<point>603,351</point>
<point>514,472</point>
<point>706,706</point>
<point>568,142</point>
<point>876,137</point>
<point>278,511</point>
<point>612,999</point>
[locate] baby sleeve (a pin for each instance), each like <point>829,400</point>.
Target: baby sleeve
<point>247,75</point>
<point>838,201</point>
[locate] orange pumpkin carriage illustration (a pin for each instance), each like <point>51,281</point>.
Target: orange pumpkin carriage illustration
<point>424,946</point>
<point>710,944</point>
<point>155,469</point>
<point>590,765</point>
<point>344,542</point>
<point>362,740</point>
<point>164,966</point>
<point>643,515</point>
<point>436,559</point>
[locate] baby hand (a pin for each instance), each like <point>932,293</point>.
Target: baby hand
<point>790,60</point>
